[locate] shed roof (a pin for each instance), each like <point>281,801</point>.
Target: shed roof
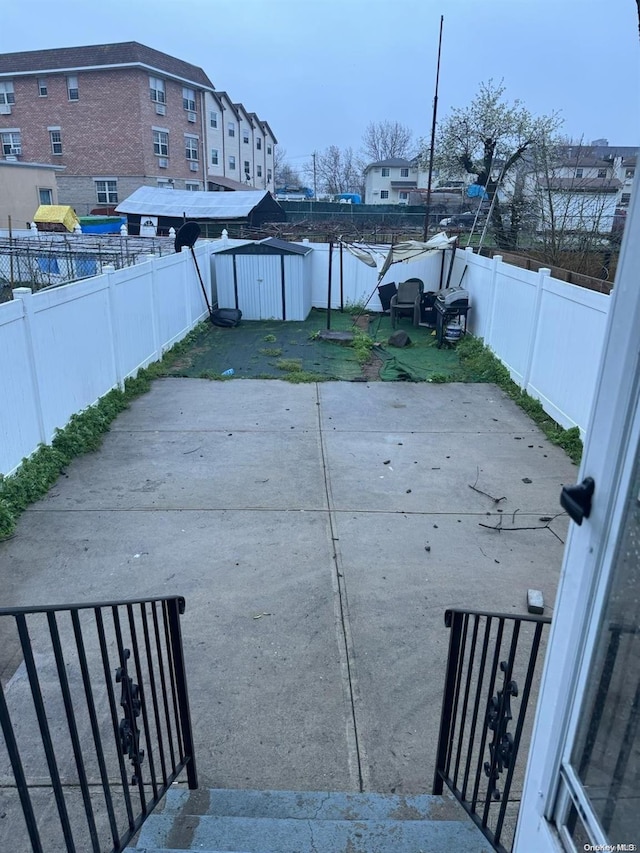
<point>269,246</point>
<point>154,201</point>
<point>61,214</point>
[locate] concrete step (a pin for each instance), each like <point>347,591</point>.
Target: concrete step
<point>287,835</point>
<point>242,821</point>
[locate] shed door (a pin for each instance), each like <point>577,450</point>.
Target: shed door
<point>259,287</point>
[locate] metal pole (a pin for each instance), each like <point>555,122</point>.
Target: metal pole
<point>10,255</point>
<point>433,138</point>
<point>329,285</point>
<point>341,280</point>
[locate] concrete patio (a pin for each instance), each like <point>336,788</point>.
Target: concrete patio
<point>318,532</point>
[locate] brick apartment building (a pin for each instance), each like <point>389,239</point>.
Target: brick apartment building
<point>121,116</point>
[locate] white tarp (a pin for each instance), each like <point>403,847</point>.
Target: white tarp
<point>410,250</point>
<point>153,201</point>
<point>414,250</point>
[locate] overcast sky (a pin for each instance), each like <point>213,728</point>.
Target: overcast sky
<point>319,70</point>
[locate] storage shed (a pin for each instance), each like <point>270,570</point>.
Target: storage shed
<point>266,279</point>
<point>213,211</point>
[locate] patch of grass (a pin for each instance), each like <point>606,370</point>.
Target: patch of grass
<point>440,378</point>
<point>354,307</point>
<point>289,365</point>
<point>83,433</point>
<point>269,338</point>
<point>481,365</point>
<point>270,351</point>
<point>362,345</point>
<point>300,376</point>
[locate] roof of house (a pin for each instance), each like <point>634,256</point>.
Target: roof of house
<point>392,161</point>
<point>128,53</point>
<point>154,201</point>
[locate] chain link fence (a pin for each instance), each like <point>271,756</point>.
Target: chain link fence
<point>50,259</point>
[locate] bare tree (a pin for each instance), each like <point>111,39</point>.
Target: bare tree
<point>489,139</point>
<point>284,173</point>
<point>573,193</point>
<point>336,171</point>
<point>383,140</point>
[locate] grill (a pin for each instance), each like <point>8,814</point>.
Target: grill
<point>451,305</point>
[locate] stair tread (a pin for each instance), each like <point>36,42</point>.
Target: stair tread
<point>315,805</point>
<point>291,835</point>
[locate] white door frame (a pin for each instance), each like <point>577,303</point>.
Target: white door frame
<point>587,558</point>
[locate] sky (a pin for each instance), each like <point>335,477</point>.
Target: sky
<point>319,71</point>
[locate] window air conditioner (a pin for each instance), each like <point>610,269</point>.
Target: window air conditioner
<point>161,110</point>
<point>193,167</point>
<point>5,109</point>
<point>191,117</point>
<point>163,163</point>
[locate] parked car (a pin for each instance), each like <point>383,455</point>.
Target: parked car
<point>459,220</point>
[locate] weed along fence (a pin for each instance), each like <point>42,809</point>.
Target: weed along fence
<point>63,348</point>
<point>548,333</point>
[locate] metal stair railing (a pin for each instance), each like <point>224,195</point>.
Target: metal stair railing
<point>95,720</point>
<point>492,679</point>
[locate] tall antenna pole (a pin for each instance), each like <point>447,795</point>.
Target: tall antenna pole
<point>433,138</point>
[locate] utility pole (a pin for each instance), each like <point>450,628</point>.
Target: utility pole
<point>315,190</point>
<point>433,139</point>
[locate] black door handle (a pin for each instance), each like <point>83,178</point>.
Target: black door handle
<point>577,499</point>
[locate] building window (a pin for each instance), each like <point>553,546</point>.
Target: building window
<point>189,99</point>
<point>107,192</point>
<point>214,156</point>
<point>602,173</point>
<point>191,147</point>
<point>55,137</point>
<point>403,196</point>
<point>42,87</point>
<point>269,176</point>
<point>192,186</point>
<point>404,173</point>
<point>269,149</point>
<point>45,196</point>
<point>11,142</point>
<point>385,173</point>
<point>232,162</point>
<point>247,168</point>
<point>161,143</point>
<point>578,173</point>
<point>231,129</point>
<point>72,88</point>
<point>629,173</point>
<point>245,136</point>
<point>259,144</point>
<point>213,119</point>
<point>384,193</point>
<point>7,95</point>
<point>259,171</point>
<point>625,198</point>
<point>165,184</point>
<point>156,90</point>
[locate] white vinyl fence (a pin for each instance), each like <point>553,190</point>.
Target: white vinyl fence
<point>63,348</point>
<point>548,333</point>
